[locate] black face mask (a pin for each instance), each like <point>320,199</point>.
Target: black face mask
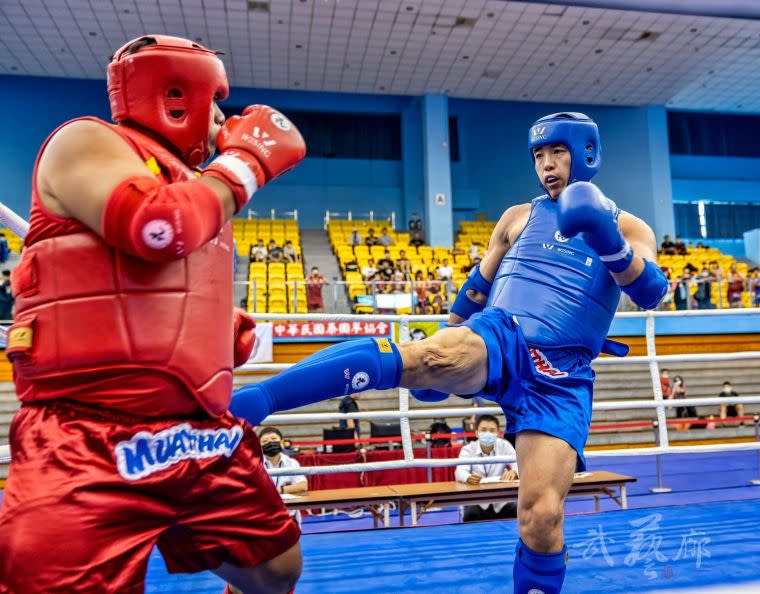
<point>272,448</point>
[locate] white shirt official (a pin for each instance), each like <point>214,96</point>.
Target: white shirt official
<point>284,481</point>
<point>473,450</point>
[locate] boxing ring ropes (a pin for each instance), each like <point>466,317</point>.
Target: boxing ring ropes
<point>404,414</point>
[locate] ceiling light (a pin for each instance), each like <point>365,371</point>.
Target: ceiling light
<point>258,6</point>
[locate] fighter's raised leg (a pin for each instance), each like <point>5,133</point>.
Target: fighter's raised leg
<point>546,467</point>
<point>453,360</point>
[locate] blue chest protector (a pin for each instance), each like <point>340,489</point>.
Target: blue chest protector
<point>559,290</point>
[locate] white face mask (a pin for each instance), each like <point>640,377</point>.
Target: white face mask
<point>486,438</point>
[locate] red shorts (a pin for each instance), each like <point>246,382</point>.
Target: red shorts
<point>90,493</point>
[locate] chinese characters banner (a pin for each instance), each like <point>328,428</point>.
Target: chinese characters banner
<point>329,329</point>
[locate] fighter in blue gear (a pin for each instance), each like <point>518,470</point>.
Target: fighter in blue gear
<point>523,332</point>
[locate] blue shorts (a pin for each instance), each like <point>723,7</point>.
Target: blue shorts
<point>539,389</point>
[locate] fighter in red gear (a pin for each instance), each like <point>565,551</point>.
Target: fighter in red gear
<point>125,340</point>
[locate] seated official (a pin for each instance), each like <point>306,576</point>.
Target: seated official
<point>488,445</point>
<point>274,457</point>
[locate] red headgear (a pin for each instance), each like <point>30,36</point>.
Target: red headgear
<point>167,85</point>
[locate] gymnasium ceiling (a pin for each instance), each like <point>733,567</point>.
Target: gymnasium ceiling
<point>489,49</point>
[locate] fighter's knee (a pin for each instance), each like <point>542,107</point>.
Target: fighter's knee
<point>540,519</point>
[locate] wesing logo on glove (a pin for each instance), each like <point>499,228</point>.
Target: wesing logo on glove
<point>258,138</point>
<point>281,121</point>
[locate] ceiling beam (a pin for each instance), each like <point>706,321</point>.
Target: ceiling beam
<point>738,9</point>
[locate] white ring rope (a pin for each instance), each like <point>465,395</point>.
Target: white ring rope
<point>20,227</point>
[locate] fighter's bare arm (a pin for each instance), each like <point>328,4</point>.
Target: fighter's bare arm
<point>507,229</point>
<point>643,243</point>
<point>83,164</point>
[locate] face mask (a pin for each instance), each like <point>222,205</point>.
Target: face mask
<point>486,438</point>
<point>272,448</point>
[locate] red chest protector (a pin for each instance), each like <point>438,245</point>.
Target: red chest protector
<point>85,310</point>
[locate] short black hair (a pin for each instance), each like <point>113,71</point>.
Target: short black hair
<point>726,383</point>
<point>482,418</point>
<point>267,430</point>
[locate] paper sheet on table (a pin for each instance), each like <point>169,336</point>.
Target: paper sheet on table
<point>286,496</point>
<point>489,480</point>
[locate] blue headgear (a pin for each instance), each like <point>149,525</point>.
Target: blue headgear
<point>578,133</point>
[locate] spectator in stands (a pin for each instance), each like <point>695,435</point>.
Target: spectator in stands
<point>474,251</point>
<point>6,297</point>
<point>735,288</point>
<point>702,246</point>
<point>488,445</point>
<point>690,246</point>
<point>434,287</point>
<point>314,284</point>
<point>445,271</point>
<point>274,457</point>
<point>703,295</point>
<point>416,237</point>
<point>421,291</point>
<point>385,265</point>
<point>730,410</point>
<point>384,238</point>
<point>754,286</point>
<point>274,252</point>
<point>677,392</point>
<point>472,264</point>
<point>5,251</point>
<point>680,246</point>
<point>438,305</point>
<point>371,239</point>
<point>259,251</point>
<point>682,290</point>
<point>289,252</point>
<point>665,385</point>
<point>667,301</point>
<point>398,282</point>
<point>355,238</point>
<point>716,270</point>
<point>349,405</point>
<point>369,271</point>
<point>667,247</point>
<point>403,263</point>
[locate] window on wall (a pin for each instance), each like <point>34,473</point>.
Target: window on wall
<point>453,139</point>
<point>713,134</point>
<point>716,220</point>
<point>345,135</point>
<point>687,219</point>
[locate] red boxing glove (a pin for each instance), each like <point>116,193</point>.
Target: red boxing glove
<point>255,148</point>
<point>245,336</point>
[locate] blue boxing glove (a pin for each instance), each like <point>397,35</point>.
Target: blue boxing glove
<point>583,209</point>
<point>428,395</point>
<point>463,305</point>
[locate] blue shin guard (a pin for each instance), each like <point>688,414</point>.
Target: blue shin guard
<point>348,367</point>
<point>538,572</point>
